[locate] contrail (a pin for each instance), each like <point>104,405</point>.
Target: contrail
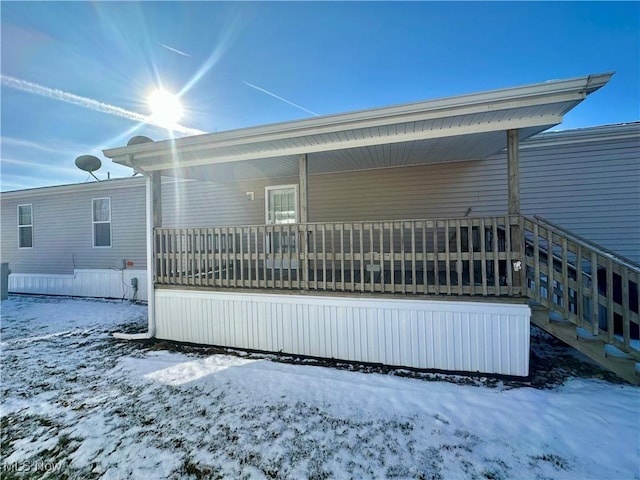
<point>38,166</point>
<point>279,98</point>
<point>179,52</point>
<point>17,142</point>
<point>89,103</point>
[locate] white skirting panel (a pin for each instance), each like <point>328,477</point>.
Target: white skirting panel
<point>442,335</point>
<point>100,283</point>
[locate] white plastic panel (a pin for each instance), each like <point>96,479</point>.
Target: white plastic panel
<point>454,336</point>
<point>100,283</point>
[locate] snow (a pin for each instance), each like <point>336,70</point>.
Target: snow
<point>77,402</point>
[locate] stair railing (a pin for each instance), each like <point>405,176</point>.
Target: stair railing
<point>584,283</point>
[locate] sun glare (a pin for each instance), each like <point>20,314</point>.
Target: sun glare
<point>165,107</point>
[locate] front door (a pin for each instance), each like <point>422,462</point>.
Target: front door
<point>281,208</point>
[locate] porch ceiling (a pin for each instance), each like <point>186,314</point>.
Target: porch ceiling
<point>451,129</point>
<point>415,152</point>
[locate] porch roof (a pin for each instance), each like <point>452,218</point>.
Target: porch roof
<point>457,128</point>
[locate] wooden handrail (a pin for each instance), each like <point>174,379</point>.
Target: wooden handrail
<point>589,243</point>
<point>392,256</point>
<point>587,285</point>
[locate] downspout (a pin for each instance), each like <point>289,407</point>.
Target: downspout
<point>151,298</point>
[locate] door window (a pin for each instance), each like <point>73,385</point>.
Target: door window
<point>282,204</point>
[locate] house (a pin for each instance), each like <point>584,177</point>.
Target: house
<point>84,240</point>
<point>595,195</point>
<point>418,235</point>
<point>389,236</point>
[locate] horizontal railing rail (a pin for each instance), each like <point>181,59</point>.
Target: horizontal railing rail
<point>588,243</point>
<point>463,256</point>
<point>588,286</point>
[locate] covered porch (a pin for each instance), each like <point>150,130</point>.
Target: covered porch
<point>295,278</point>
<point>296,243</point>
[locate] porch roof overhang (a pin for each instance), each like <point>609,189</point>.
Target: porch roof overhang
<point>457,128</point>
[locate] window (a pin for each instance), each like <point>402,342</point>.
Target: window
<point>25,226</point>
<point>281,204</point>
<point>101,222</point>
<point>281,208</point>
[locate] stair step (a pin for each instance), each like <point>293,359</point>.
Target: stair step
<point>614,352</point>
<point>547,256</point>
<point>558,318</point>
<point>606,355</point>
<point>585,335</point>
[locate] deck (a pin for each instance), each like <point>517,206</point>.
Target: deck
<point>588,296</point>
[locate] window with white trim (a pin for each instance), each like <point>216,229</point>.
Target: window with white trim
<point>281,204</point>
<point>101,222</point>
<point>281,208</point>
<point>25,226</point>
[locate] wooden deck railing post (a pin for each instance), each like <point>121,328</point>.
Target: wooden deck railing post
<point>513,184</point>
<point>518,259</point>
<point>304,218</point>
<point>304,255</point>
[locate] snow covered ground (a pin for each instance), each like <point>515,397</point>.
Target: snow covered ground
<point>78,404</point>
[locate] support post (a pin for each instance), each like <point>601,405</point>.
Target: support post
<point>304,191</point>
<point>513,172</point>
<point>156,187</point>
<point>154,220</point>
<point>513,193</point>
<point>304,219</point>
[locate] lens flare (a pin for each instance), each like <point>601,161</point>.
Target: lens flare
<point>165,107</point>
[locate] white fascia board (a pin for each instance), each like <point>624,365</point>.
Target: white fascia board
<point>198,160</point>
<point>559,91</point>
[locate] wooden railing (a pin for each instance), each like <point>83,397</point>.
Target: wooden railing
<point>464,256</point>
<point>584,283</point>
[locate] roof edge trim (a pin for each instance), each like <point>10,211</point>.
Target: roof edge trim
<point>585,85</point>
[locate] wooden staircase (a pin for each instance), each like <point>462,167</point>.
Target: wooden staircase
<point>584,295</point>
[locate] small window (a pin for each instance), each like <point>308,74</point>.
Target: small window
<point>281,204</point>
<point>101,222</point>
<point>25,226</point>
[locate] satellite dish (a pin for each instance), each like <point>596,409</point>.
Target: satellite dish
<point>89,163</point>
<point>138,140</point>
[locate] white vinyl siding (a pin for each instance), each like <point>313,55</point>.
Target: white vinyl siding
<point>25,226</point>
<point>63,227</point>
<point>101,208</point>
<point>459,336</point>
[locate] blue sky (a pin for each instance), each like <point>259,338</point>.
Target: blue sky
<point>228,60</point>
